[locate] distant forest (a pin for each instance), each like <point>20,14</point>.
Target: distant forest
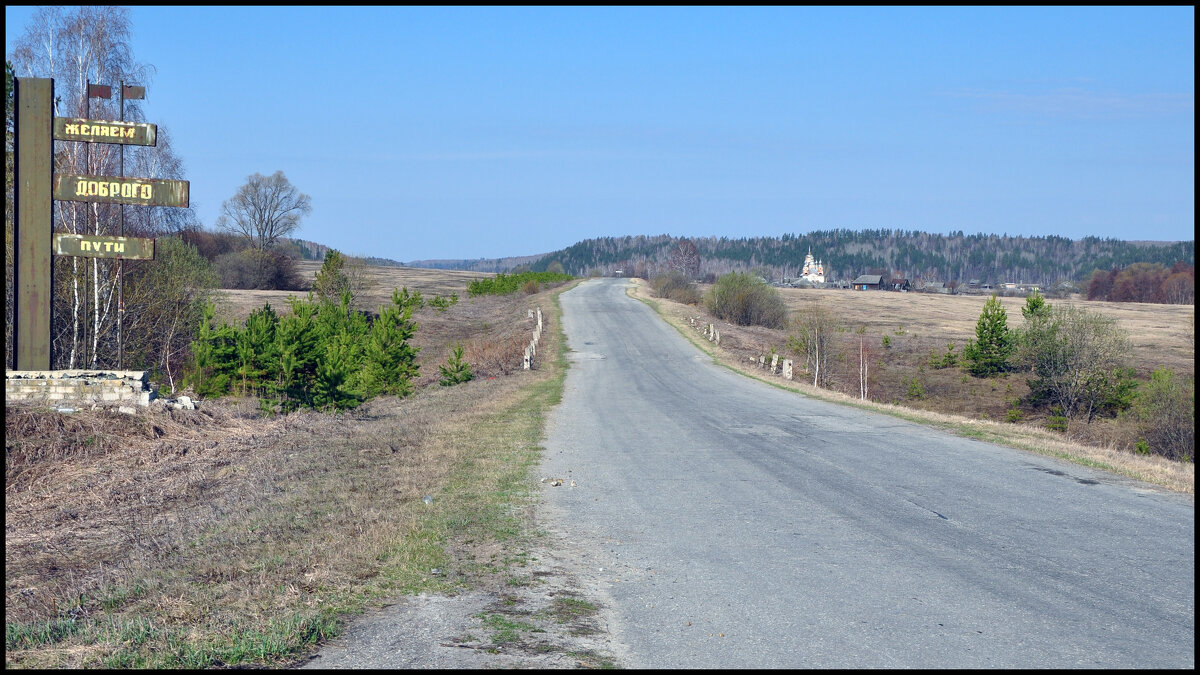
<point>846,254</point>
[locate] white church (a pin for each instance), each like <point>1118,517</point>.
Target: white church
<point>814,271</point>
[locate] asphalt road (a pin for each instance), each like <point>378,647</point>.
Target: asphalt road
<point>728,523</point>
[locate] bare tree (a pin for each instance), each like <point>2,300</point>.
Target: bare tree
<point>264,209</point>
<point>685,258</point>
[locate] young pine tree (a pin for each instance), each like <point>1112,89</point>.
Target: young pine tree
<point>214,355</point>
<point>988,354</point>
<point>389,360</point>
<point>456,371</point>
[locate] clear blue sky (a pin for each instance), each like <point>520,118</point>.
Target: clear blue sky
<point>487,132</point>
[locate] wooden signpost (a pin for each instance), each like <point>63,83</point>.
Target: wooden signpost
<point>101,131</point>
<point>35,188</point>
<point>90,246</point>
<point>117,190</point>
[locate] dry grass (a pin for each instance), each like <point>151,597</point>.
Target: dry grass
<point>379,282</point>
<point>215,536</point>
<point>1161,335</point>
<point>919,323</point>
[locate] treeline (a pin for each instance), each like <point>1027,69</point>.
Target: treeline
<point>916,256</point>
<point>1145,282</point>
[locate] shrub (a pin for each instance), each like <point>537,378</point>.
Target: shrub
<point>444,303</point>
<point>1163,414</point>
<point>746,301</point>
<point>915,389</point>
<point>322,355</point>
<point>674,285</point>
<point>252,269</point>
<point>1077,357</point>
<point>948,360</point>
<point>1057,421</point>
<point>1014,413</point>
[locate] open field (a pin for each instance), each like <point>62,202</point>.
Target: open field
<point>1161,335</point>
<point>378,285</point>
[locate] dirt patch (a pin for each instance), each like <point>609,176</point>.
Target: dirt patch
<point>538,619</point>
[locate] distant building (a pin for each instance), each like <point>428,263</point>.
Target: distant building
<point>814,270</point>
<point>867,282</point>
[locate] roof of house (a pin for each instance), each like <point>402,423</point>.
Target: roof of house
<point>869,279</point>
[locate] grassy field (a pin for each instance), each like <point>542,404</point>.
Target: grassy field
<point>378,283</point>
<point>948,398</point>
<point>1161,335</point>
<point>217,537</point>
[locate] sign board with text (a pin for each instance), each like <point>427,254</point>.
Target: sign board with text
<point>92,246</point>
<point>117,190</point>
<point>102,131</point>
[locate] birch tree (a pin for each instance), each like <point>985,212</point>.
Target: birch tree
<point>812,338</point>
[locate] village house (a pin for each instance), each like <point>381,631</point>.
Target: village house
<point>867,282</point>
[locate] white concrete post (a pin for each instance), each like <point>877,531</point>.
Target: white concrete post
<point>787,368</point>
<point>774,362</point>
<point>527,358</point>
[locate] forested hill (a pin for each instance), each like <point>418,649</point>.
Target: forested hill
<point>849,253</point>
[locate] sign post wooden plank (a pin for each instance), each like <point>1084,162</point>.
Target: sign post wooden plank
<point>104,131</point>
<point>118,190</point>
<point>93,246</point>
<point>33,213</point>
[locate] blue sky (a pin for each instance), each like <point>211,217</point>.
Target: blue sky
<point>486,132</point>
